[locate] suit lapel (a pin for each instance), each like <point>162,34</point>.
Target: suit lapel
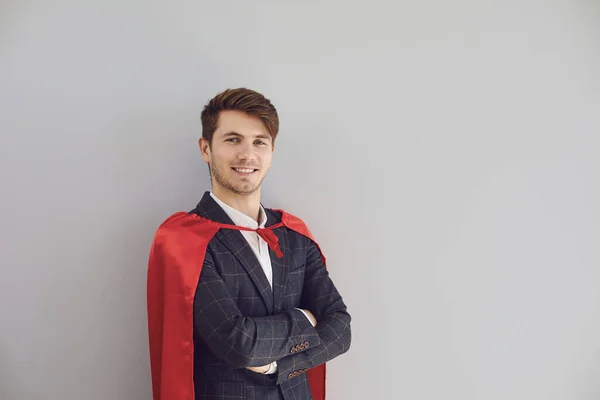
<point>238,246</point>
<point>280,265</point>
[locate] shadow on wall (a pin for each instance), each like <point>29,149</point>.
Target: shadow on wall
<point>156,170</point>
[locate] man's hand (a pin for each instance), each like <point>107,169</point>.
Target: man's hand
<point>260,370</point>
<point>310,316</point>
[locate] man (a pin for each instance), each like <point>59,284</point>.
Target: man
<point>249,284</point>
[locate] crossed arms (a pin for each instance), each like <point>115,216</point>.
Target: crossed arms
<point>287,337</point>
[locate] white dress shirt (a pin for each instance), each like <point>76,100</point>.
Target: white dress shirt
<point>257,244</point>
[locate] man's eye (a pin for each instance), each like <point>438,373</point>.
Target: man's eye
<point>261,142</point>
<point>232,139</point>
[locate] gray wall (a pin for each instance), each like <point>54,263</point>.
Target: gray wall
<point>445,154</point>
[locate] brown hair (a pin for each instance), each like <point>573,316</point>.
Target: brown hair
<point>240,99</point>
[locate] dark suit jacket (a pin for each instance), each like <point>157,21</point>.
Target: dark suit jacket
<point>240,322</point>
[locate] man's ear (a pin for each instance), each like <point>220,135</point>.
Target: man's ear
<point>204,146</point>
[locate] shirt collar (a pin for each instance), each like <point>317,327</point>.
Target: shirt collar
<point>239,218</point>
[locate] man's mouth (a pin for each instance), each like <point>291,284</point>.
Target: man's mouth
<point>244,170</point>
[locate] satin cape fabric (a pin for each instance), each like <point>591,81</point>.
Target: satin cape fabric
<point>174,266</point>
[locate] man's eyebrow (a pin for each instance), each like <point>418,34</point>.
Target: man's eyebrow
<point>259,136</point>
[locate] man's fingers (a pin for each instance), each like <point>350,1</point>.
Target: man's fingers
<point>311,317</point>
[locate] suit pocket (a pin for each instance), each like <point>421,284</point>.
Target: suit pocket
<point>295,282</point>
<point>221,390</point>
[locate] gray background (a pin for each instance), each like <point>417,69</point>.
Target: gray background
<point>445,154</point>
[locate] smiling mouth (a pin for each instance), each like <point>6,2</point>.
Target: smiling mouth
<point>244,170</point>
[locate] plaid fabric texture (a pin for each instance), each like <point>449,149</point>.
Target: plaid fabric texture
<point>240,322</point>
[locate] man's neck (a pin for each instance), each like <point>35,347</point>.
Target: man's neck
<point>246,204</point>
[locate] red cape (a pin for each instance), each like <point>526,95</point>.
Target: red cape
<point>174,266</point>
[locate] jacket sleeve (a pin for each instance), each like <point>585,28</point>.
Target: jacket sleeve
<point>240,340</point>
<point>321,297</point>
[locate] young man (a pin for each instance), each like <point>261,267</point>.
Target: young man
<point>240,302</point>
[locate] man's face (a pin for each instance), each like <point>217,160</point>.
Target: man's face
<point>240,153</point>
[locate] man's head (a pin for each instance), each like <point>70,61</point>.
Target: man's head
<point>239,127</point>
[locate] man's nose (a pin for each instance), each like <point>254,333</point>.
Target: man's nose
<point>245,151</point>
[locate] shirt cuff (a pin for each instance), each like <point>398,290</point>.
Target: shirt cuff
<point>272,368</point>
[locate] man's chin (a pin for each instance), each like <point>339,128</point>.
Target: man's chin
<point>239,188</point>
<point>242,190</point>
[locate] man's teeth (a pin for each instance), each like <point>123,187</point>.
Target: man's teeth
<point>244,170</point>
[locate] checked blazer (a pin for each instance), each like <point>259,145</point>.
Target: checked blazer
<point>239,321</point>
